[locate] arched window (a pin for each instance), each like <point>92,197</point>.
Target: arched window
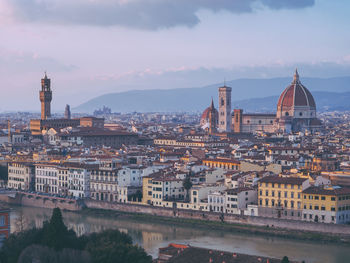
<point>287,113</point>
<point>300,114</point>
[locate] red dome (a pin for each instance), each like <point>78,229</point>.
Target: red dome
<point>205,114</point>
<point>296,95</point>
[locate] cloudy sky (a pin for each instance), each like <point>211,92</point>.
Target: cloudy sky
<point>92,47</point>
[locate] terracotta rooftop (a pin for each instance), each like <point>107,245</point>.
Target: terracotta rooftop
<point>327,191</point>
<point>282,180</point>
<point>175,253</point>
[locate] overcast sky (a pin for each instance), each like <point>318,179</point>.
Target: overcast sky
<point>92,47</point>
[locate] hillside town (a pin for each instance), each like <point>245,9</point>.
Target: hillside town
<point>293,165</point>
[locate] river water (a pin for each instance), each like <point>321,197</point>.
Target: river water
<point>152,236</point>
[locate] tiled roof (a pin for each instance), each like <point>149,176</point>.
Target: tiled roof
<point>282,180</point>
<point>327,191</point>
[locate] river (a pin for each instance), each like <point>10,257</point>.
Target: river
<point>152,236</point>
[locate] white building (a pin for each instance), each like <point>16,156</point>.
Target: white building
<point>216,201</point>
<point>21,176</point>
<point>46,178</point>
<point>79,179</point>
<point>238,199</point>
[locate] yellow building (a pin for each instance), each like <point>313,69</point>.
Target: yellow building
<point>158,188</point>
<point>226,164</point>
<point>326,204</point>
<point>281,197</point>
<point>147,189</point>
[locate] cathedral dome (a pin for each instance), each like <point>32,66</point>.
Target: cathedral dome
<point>205,115</point>
<point>295,96</point>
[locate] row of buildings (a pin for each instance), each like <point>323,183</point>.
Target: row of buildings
<point>221,190</point>
<point>101,180</point>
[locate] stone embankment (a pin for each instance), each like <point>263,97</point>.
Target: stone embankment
<point>46,201</point>
<point>343,230</point>
<point>37,200</point>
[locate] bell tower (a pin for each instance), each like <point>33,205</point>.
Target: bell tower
<point>225,118</point>
<point>45,97</point>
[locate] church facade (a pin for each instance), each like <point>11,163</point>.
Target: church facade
<point>296,111</point>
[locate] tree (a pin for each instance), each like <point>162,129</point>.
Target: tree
<point>56,235</point>
<point>55,243</point>
<point>3,173</point>
<point>285,259</point>
<point>43,254</point>
<point>112,246</point>
<point>187,184</point>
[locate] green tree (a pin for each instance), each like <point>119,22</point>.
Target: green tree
<point>56,235</point>
<point>112,246</point>
<point>187,184</point>
<point>55,243</point>
<point>43,254</point>
<point>3,173</point>
<point>285,259</point>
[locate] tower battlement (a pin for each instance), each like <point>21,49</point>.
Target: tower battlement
<point>45,96</point>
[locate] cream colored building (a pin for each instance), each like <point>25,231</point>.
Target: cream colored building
<point>21,176</point>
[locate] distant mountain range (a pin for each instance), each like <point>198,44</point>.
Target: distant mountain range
<point>252,95</point>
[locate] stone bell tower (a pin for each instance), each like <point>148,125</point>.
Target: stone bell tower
<point>45,97</point>
<point>225,118</point>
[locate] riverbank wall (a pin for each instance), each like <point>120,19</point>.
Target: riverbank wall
<point>43,201</point>
<point>272,223</point>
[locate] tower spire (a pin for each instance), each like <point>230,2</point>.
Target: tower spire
<point>212,103</point>
<point>296,76</point>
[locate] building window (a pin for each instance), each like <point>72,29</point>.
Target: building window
<point>300,114</point>
<point>2,221</point>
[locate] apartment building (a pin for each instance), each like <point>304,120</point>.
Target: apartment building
<point>326,204</point>
<point>281,197</point>
<point>21,176</point>
<point>46,178</point>
<point>79,179</point>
